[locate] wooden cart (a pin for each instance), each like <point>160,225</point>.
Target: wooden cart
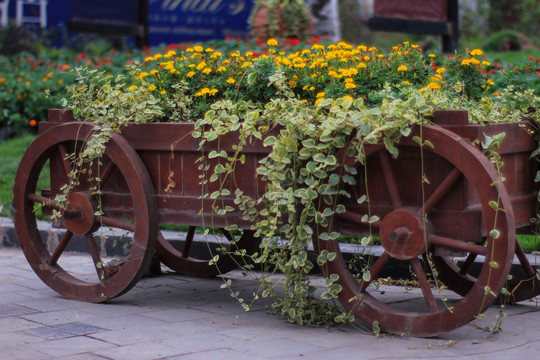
<point>442,204</point>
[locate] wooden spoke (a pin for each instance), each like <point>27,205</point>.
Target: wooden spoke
<point>525,264</point>
<point>439,193</point>
<point>65,161</point>
<point>424,284</point>
<point>469,261</point>
<point>390,179</point>
<point>189,241</point>
<point>44,201</point>
<point>375,270</point>
<point>108,221</point>
<point>99,265</point>
<point>106,173</point>
<point>357,218</point>
<point>457,244</point>
<point>60,248</point>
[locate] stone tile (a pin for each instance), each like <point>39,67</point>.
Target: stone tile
<point>277,348</point>
<point>140,351</point>
<point>85,356</point>
<point>9,310</point>
<point>10,324</point>
<point>70,346</point>
<point>216,354</point>
<point>60,331</point>
<point>23,353</point>
<point>58,317</point>
<point>179,314</point>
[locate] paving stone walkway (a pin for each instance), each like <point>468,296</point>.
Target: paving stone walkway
<point>178,317</point>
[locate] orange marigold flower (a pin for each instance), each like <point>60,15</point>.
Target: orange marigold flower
<point>2,80</point>
<point>32,122</point>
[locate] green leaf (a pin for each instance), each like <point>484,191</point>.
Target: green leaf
<point>366,276</point>
<point>319,157</point>
<point>495,233</point>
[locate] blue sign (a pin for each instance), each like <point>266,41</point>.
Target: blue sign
<point>173,21</point>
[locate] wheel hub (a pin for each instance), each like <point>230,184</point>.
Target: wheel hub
<point>403,235</point>
<point>79,216</point>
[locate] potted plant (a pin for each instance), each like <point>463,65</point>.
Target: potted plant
<point>312,147</point>
<point>281,18</point>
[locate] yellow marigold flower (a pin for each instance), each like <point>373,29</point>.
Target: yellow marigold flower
<point>285,61</point>
<point>405,43</point>
<point>440,70</point>
<point>153,72</point>
<point>162,92</point>
<point>190,74</point>
<point>213,92</point>
<point>198,48</point>
<point>402,68</point>
<point>317,47</point>
<point>466,62</point>
<point>414,46</point>
<point>149,58</point>
<point>405,82</point>
<point>132,87</point>
<point>490,82</point>
<point>367,58</point>
<point>169,54</point>
<point>361,48</point>
<point>221,69</point>
<point>201,66</point>
<point>231,80</point>
<point>157,56</point>
<point>476,52</point>
<point>475,61</point>
<point>292,84</point>
<point>486,63</point>
<point>347,97</point>
<point>143,75</point>
<point>207,71</point>
<point>202,92</point>
<point>246,64</point>
<point>321,94</point>
<point>432,55</point>
<point>361,66</point>
<point>249,53</point>
<point>353,71</point>
<point>318,101</point>
<point>173,71</point>
<point>272,42</point>
<point>373,49</point>
<point>350,85</point>
<point>434,86</point>
<point>151,87</point>
<point>209,50</point>
<point>189,50</point>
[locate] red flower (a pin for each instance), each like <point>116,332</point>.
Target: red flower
<point>531,57</point>
<point>294,41</point>
<point>32,122</point>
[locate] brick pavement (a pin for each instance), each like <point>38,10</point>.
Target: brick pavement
<point>178,317</point>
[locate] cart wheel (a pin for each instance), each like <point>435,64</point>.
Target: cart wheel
<point>186,262</point>
<point>410,229</point>
<point>460,276</point>
<point>130,212</point>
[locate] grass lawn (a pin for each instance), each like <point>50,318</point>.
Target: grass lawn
<point>11,152</point>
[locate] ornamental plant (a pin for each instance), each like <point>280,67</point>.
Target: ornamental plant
<point>323,100</point>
